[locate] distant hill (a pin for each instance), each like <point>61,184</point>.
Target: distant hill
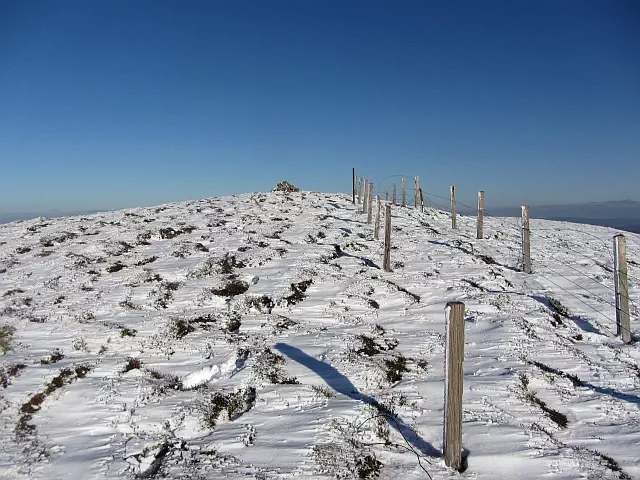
<point>13,217</point>
<point>624,214</point>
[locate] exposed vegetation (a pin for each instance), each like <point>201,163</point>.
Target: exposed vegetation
<point>298,294</point>
<point>132,364</point>
<point>269,367</point>
<point>395,367</point>
<point>233,404</point>
<point>6,336</point>
<point>179,328</point>
<point>233,288</point>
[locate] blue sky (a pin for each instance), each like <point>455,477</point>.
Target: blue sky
<point>124,103</point>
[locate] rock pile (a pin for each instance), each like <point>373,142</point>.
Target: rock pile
<point>285,187</point>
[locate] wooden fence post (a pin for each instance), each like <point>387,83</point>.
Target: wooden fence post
<point>415,200</point>
<point>623,321</point>
<point>364,196</point>
<point>355,187</point>
<point>358,189</point>
<point>370,205</point>
<point>480,233</point>
<point>376,233</point>
<point>454,355</point>
<point>453,206</point>
<point>404,192</point>
<point>353,181</point>
<point>526,240</point>
<point>386,197</point>
<point>387,239</point>
<point>421,202</point>
<point>394,195</point>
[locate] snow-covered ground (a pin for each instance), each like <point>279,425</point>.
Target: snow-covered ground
<point>255,336</point>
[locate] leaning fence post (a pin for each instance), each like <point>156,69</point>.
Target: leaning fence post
<point>526,240</point>
<point>404,192</point>
<point>421,201</point>
<point>454,355</point>
<point>480,232</point>
<point>370,203</point>
<point>394,195</point>
<point>376,233</point>
<point>453,206</point>
<point>415,200</point>
<point>387,239</point>
<point>623,321</point>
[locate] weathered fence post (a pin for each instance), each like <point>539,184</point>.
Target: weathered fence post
<point>394,195</point>
<point>480,233</point>
<point>353,182</point>
<point>421,202</point>
<point>355,187</point>
<point>623,321</point>
<point>404,192</point>
<point>376,234</point>
<point>370,201</point>
<point>365,196</point>
<point>386,264</point>
<point>415,200</point>
<point>526,240</point>
<point>386,197</point>
<point>454,355</point>
<point>453,206</point>
<point>359,190</point>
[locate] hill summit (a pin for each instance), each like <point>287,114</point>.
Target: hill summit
<point>257,336</point>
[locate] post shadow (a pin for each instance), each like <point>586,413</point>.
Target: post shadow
<point>580,322</point>
<point>341,384</point>
<point>342,253</point>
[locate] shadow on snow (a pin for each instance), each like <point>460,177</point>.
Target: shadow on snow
<point>343,385</point>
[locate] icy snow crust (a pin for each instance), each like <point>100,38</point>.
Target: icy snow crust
<point>300,328</point>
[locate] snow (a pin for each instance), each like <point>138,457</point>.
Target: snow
<point>284,364</point>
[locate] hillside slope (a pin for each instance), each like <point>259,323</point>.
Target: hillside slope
<point>255,336</point>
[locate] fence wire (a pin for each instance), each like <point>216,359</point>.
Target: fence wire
<point>431,200</point>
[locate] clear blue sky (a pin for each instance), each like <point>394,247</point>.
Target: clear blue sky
<point>107,104</point>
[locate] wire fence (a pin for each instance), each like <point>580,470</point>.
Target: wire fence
<point>544,261</point>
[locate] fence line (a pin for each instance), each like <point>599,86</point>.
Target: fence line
<point>516,224</point>
<point>545,258</point>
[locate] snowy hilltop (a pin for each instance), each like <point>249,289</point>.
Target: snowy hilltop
<point>257,336</point>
